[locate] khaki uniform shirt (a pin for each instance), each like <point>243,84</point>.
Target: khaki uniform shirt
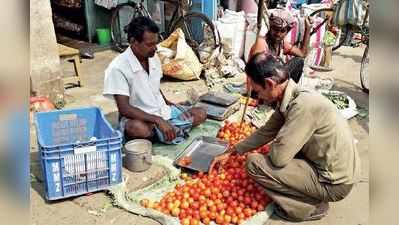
<point>308,122</point>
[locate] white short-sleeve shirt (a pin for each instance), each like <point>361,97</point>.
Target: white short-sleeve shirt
<point>126,76</point>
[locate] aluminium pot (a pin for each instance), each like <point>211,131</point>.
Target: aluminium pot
<point>138,155</point>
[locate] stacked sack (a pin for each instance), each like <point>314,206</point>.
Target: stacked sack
<point>250,33</point>
<point>297,33</point>
<point>232,31</point>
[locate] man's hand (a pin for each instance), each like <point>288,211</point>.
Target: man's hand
<point>308,22</point>
<point>220,159</point>
<point>166,129</point>
<point>186,115</point>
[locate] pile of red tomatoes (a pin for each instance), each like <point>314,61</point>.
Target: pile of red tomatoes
<point>234,132</point>
<point>228,196</point>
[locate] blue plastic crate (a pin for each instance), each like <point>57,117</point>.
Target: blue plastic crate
<point>79,152</point>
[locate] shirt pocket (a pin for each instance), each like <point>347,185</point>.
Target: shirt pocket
<point>132,89</point>
<point>155,79</point>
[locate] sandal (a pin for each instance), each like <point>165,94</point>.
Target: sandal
<point>320,212</point>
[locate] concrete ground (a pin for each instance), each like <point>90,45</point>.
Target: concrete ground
<point>97,208</point>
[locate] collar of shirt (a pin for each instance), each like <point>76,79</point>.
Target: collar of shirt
<point>288,95</point>
<point>135,63</point>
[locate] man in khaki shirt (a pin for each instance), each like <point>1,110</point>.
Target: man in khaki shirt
<point>313,159</point>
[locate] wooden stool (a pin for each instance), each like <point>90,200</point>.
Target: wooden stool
<point>73,54</point>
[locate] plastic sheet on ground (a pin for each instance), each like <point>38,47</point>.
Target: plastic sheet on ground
<point>260,115</point>
<point>316,82</point>
<point>154,192</point>
<point>348,112</point>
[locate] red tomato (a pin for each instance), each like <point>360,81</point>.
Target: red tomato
<point>219,196</point>
<point>195,205</point>
<point>203,214</point>
<point>185,221</point>
<point>234,195</point>
<point>260,207</point>
<point>234,204</point>
<point>230,211</point>
<point>220,206</point>
<point>206,221</point>
<point>207,192</point>
<point>201,186</point>
<point>196,215</point>
<point>186,189</point>
<point>229,200</point>
<point>175,212</point>
<point>212,215</point>
<point>202,199</point>
<point>254,204</point>
<point>247,212</point>
<point>258,196</point>
<point>227,219</point>
<point>247,200</point>
<point>210,203</point>
<point>186,195</point>
<point>203,208</point>
<point>238,210</point>
<point>195,196</point>
<point>219,219</point>
<point>226,194</point>
<point>184,205</point>
<point>170,206</point>
<point>234,219</point>
<point>250,188</point>
<point>194,221</point>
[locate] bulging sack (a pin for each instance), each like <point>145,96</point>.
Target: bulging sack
<point>232,30</point>
<point>178,59</point>
<point>350,12</point>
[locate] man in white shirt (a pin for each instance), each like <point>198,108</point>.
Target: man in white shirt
<point>133,80</point>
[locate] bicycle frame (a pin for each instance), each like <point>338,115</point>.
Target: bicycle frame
<point>180,11</point>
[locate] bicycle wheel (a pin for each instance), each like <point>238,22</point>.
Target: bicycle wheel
<point>325,13</point>
<point>121,17</point>
<point>364,72</point>
<point>199,32</point>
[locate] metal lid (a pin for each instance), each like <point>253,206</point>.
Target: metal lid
<point>138,146</point>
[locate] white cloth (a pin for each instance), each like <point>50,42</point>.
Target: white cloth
<point>126,76</point>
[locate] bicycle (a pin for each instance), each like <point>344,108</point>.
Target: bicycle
<point>364,71</point>
<point>197,27</point>
<point>346,33</point>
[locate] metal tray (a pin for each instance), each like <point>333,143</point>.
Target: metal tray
<point>219,98</point>
<point>202,151</point>
<point>218,112</point>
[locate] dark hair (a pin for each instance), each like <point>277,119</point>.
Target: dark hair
<point>262,66</point>
<point>136,28</point>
